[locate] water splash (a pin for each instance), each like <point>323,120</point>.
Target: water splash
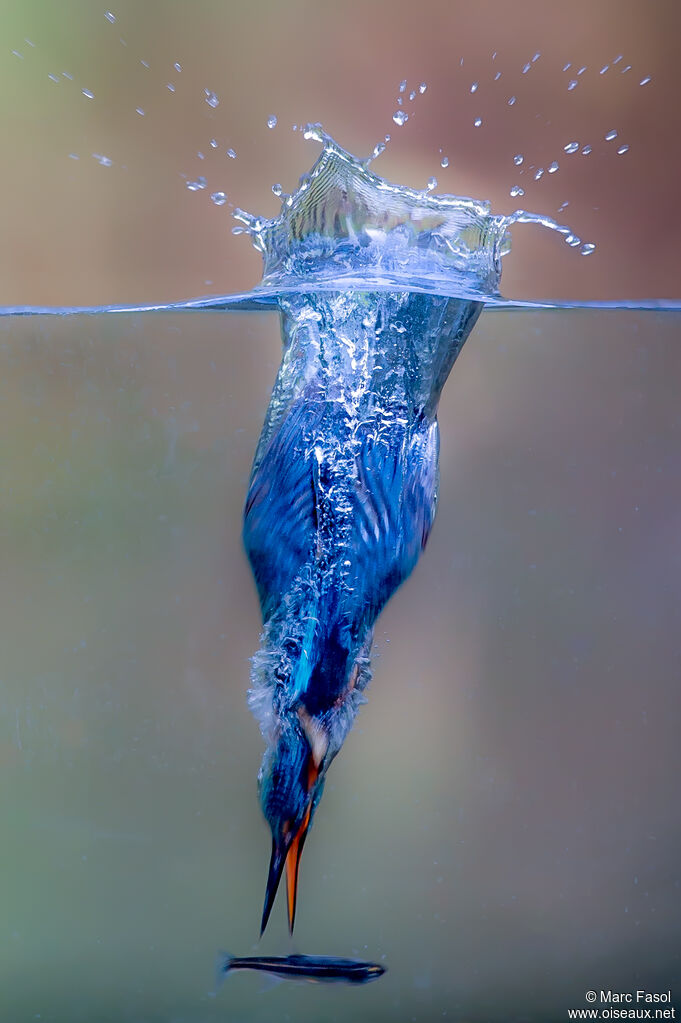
<point>345,227</point>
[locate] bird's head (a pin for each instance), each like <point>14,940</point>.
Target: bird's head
<point>291,781</point>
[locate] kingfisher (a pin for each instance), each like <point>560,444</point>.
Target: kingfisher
<point>340,505</point>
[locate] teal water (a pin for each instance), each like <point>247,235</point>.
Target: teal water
<point>503,823</point>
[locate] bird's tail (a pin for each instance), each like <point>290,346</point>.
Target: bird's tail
<point>223,964</point>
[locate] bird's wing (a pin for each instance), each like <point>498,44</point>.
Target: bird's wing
<point>280,519</point>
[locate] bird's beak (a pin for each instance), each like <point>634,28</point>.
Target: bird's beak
<point>292,864</point>
<point>277,860</point>
<point>287,851</point>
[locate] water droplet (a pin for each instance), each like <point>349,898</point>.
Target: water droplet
<point>461,62</point>
<point>644,81</point>
<point>611,135</point>
<point>219,198</point>
<point>272,121</point>
<point>553,167</point>
<point>403,85</point>
<point>625,69</point>
<point>444,162</point>
<point>572,84</point>
<point>170,87</point>
<point>494,55</point>
<point>399,101</point>
<point>518,159</point>
<point>572,240</point>
<point>622,149</point>
<point>101,159</point>
<point>604,69</point>
<point>567,66</point>
<point>587,248</point>
<point>536,57</point>
<point>412,95</point>
<point>213,143</point>
<point>15,53</point>
<point>422,88</point>
<point>539,174</point>
<point>138,110</point>
<point>582,70</point>
<point>517,190</point>
<point>231,154</point>
<point>474,87</point>
<point>53,78</point>
<point>67,75</point>
<point>277,189</point>
<point>88,93</point>
<point>110,17</point>
<point>477,122</point>
<point>196,186</point>
<point>526,68</point>
<point>571,147</point>
<point>29,43</point>
<point>617,59</point>
<point>145,63</point>
<point>399,117</point>
<point>586,150</point>
<point>432,183</point>
<point>211,98</point>
<point>511,101</point>
<point>74,156</point>
<point>378,149</point>
<point>563,205</point>
<point>178,67</point>
<point>497,76</point>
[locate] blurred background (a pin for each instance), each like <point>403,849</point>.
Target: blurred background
<point>85,231</point>
<point>503,826</point>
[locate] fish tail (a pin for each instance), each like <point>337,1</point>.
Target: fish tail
<point>223,964</point>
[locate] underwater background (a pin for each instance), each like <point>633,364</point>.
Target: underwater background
<point>502,828</point>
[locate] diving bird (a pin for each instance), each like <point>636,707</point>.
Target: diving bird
<point>340,505</point>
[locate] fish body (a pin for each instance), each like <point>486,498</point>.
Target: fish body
<point>327,969</point>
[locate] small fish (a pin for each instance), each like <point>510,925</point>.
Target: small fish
<point>322,968</point>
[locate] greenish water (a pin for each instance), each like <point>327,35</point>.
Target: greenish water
<point>502,826</point>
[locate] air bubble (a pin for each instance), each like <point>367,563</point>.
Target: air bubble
<point>517,190</point>
<point>400,117</point>
<point>211,98</point>
<point>219,198</point>
<point>587,248</point>
<point>571,147</point>
<point>518,159</point>
<point>272,121</point>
